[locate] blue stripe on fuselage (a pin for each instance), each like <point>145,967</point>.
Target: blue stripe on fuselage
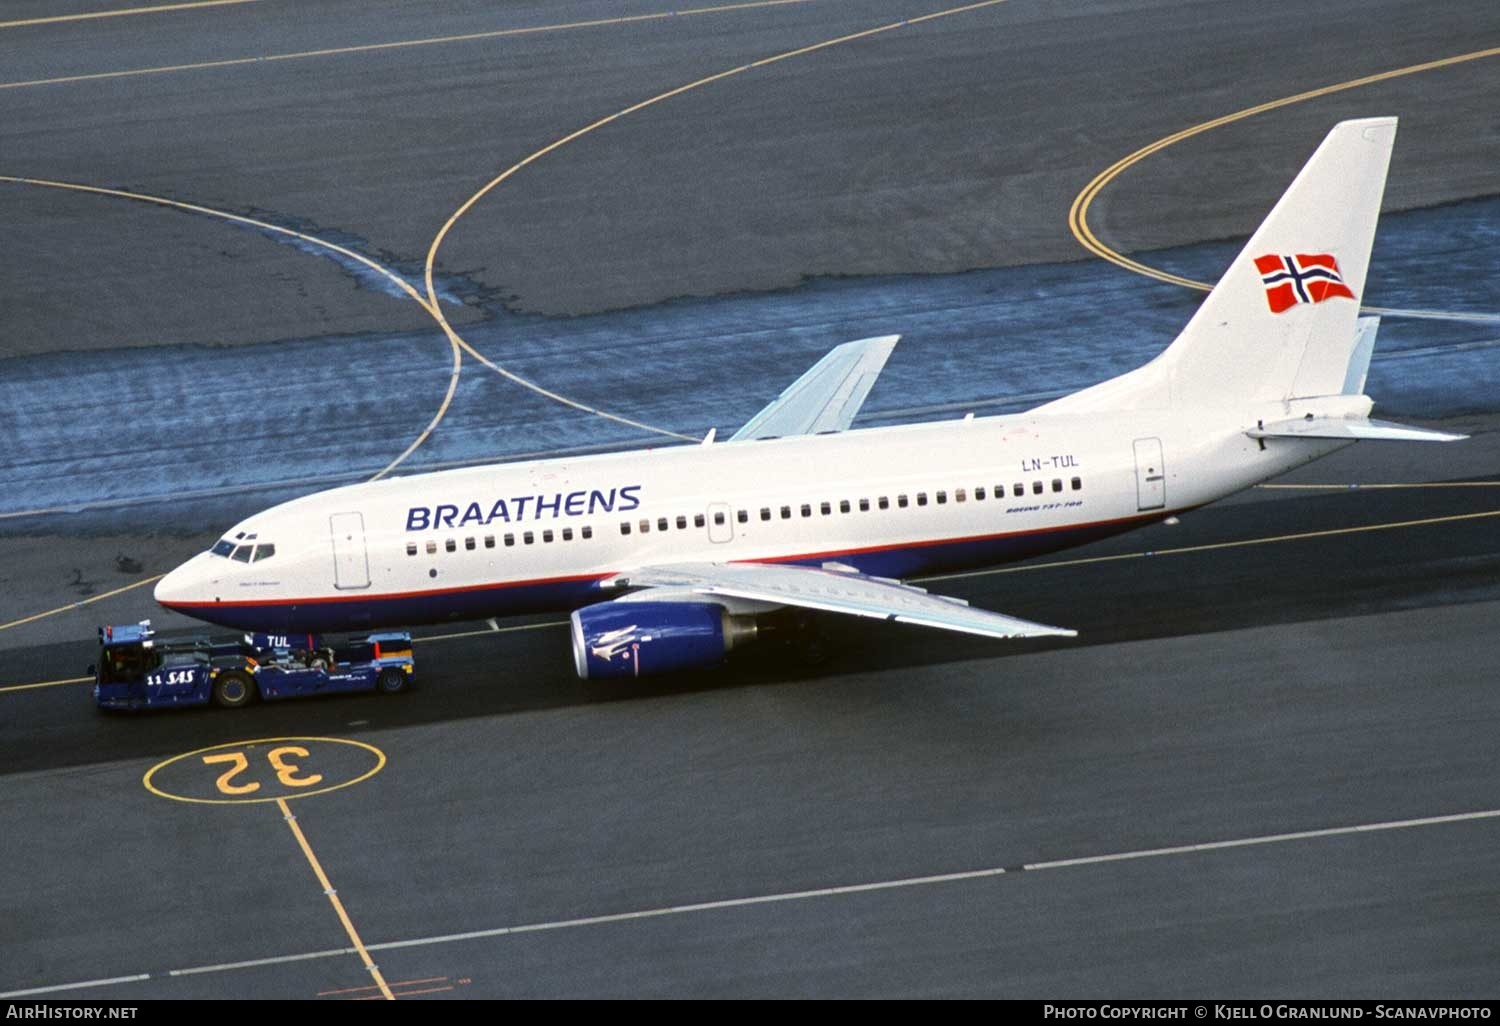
<point>361,612</point>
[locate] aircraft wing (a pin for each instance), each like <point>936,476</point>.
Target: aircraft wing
<point>827,397</point>
<point>830,589</point>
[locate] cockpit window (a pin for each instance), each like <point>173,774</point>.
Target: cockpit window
<point>242,554</point>
<point>263,551</point>
<point>223,548</point>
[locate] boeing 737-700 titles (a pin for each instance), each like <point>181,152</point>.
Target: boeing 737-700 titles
<point>669,557</point>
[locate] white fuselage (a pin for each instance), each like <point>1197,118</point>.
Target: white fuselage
<point>893,502</point>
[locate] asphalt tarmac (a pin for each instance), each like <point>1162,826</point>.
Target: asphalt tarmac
<point>1265,768</point>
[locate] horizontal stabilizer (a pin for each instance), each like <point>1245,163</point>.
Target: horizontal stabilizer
<point>1334,427</point>
<point>827,397</point>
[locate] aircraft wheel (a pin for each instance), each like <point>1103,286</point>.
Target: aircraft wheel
<point>234,689</point>
<point>809,641</point>
<point>391,680</point>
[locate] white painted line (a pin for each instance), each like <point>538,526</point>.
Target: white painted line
<point>765,899</point>
<point>74,986</point>
<point>704,906</point>
<point>1247,842</point>
<point>253,963</point>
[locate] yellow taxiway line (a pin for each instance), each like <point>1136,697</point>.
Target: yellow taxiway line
<point>995,571</point>
<point>1078,213</point>
<point>333,899</point>
<point>468,204</point>
<point>399,44</point>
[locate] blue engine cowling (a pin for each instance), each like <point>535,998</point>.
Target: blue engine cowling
<point>634,639</point>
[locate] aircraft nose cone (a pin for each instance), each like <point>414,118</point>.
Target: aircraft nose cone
<point>182,585</point>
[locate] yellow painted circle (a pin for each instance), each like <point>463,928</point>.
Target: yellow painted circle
<point>264,770</point>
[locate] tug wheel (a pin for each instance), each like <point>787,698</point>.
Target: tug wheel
<point>391,680</point>
<point>234,689</point>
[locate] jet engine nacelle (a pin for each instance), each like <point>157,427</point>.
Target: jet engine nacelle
<point>634,639</point>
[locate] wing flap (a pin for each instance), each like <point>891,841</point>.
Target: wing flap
<point>836,591</point>
<point>827,397</point>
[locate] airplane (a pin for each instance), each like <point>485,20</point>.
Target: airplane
<point>670,557</point>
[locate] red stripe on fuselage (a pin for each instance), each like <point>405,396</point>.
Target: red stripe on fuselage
<point>1143,518</point>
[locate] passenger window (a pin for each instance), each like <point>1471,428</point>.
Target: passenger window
<point>719,519</point>
<point>827,508</point>
<point>1036,488</point>
<point>959,495</point>
<point>786,512</point>
<point>682,523</point>
<point>742,515</point>
<point>806,509</point>
<point>645,527</point>
<point>979,494</point>
<point>1057,484</point>
<point>1018,489</point>
<point>921,498</point>
<point>884,503</point>
<point>450,545</point>
<point>547,536</point>
<point>765,512</point>
<point>469,543</point>
<point>864,505</point>
<point>625,527</point>
<point>1077,483</point>
<point>431,547</point>
<point>661,523</point>
<point>843,505</point>
<point>411,548</point>
<point>489,541</point>
<point>510,540</point>
<point>567,534</point>
<point>942,497</point>
<point>587,532</point>
<point>901,501</point>
<point>698,520</point>
<point>527,537</point>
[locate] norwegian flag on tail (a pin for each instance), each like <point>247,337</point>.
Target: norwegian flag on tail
<point>1300,278</point>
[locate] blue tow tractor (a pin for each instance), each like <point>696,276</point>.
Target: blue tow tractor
<point>136,670</point>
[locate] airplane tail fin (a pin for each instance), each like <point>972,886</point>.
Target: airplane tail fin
<point>1281,322</point>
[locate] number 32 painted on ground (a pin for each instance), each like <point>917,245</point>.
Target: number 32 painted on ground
<point>286,771</point>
